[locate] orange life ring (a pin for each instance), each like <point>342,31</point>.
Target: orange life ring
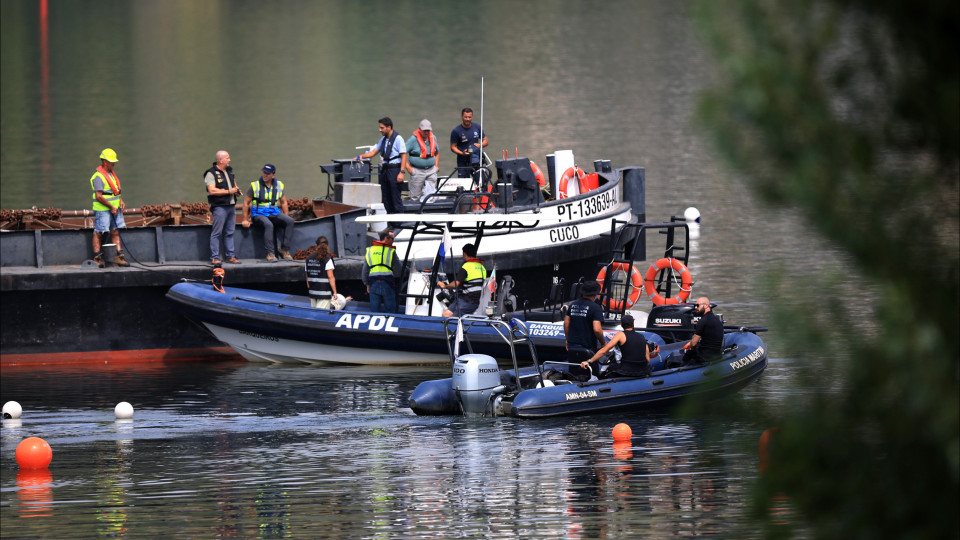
<point>634,279</point>
<point>538,174</point>
<point>686,281</point>
<point>565,179</point>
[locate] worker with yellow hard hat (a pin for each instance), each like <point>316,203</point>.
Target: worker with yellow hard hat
<point>107,206</point>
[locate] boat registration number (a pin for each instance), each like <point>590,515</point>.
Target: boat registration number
<point>581,395</point>
<point>589,206</point>
<point>748,359</point>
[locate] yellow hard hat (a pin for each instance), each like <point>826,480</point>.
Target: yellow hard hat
<point>109,155</point>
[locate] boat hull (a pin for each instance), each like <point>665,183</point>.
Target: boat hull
<point>665,387</point>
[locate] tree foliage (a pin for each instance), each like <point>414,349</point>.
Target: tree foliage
<point>848,111</point>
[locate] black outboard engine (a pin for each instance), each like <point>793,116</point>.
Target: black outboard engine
<point>675,322</point>
<point>476,382</point>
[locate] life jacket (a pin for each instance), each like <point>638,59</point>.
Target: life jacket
<point>379,259</point>
<point>317,278</point>
<point>423,145</point>
<point>111,189</point>
<point>265,199</point>
<point>470,289</point>
<point>386,147</point>
<point>222,180</point>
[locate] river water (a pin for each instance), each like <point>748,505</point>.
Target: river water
<point>245,450</point>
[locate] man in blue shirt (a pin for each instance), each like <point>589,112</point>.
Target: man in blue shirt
<point>467,141</point>
<point>393,153</point>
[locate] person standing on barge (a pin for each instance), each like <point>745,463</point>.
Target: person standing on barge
<point>469,283</point>
<point>267,204</point>
<point>423,161</point>
<point>379,273</point>
<point>107,207</point>
<point>393,165</point>
<point>222,193</point>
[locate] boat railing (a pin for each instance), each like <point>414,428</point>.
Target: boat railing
<point>628,246</point>
<point>512,332</point>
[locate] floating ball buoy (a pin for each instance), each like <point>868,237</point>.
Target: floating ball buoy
<point>123,410</point>
<point>34,453</point>
<point>12,409</point>
<point>692,215</point>
<point>622,432</point>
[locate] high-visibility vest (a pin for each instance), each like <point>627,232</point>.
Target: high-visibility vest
<point>265,198</point>
<point>379,259</point>
<point>111,189</point>
<point>423,145</point>
<point>476,273</point>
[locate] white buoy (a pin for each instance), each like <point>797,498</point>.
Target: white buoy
<point>692,215</point>
<point>123,410</point>
<point>12,409</point>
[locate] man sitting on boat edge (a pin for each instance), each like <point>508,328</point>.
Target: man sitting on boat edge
<point>634,353</point>
<point>268,205</point>
<point>469,284</point>
<point>707,342</point>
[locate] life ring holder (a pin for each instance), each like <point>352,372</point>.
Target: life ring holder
<point>686,281</point>
<point>635,280</point>
<point>568,175</point>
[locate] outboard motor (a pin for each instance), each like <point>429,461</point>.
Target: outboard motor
<point>665,319</point>
<point>476,381</point>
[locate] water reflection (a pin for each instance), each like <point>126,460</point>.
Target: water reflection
<point>249,450</point>
<point>35,492</point>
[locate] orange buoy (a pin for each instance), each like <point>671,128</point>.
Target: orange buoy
<point>34,453</point>
<point>622,432</point>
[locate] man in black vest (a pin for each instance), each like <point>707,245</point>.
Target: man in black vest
<point>222,192</point>
<point>393,153</point>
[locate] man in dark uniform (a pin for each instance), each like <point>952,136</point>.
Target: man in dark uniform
<point>634,353</point>
<point>707,341</point>
<point>582,327</point>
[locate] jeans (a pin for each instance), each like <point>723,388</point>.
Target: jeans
<point>382,297</point>
<point>224,222</point>
<point>267,222</point>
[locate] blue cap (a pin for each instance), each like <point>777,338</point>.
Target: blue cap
<point>269,169</point>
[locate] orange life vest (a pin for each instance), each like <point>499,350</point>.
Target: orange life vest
<point>423,146</point>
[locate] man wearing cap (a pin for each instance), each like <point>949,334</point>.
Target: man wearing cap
<point>393,153</point>
<point>634,353</point>
<point>222,193</point>
<point>424,161</point>
<point>582,324</point>
<point>467,141</point>
<point>469,284</point>
<point>107,206</point>
<point>267,205</point>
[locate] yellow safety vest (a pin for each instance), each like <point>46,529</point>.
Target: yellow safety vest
<point>379,259</point>
<point>111,189</point>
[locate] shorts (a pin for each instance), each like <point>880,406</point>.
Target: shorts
<point>105,220</point>
<point>461,307</point>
